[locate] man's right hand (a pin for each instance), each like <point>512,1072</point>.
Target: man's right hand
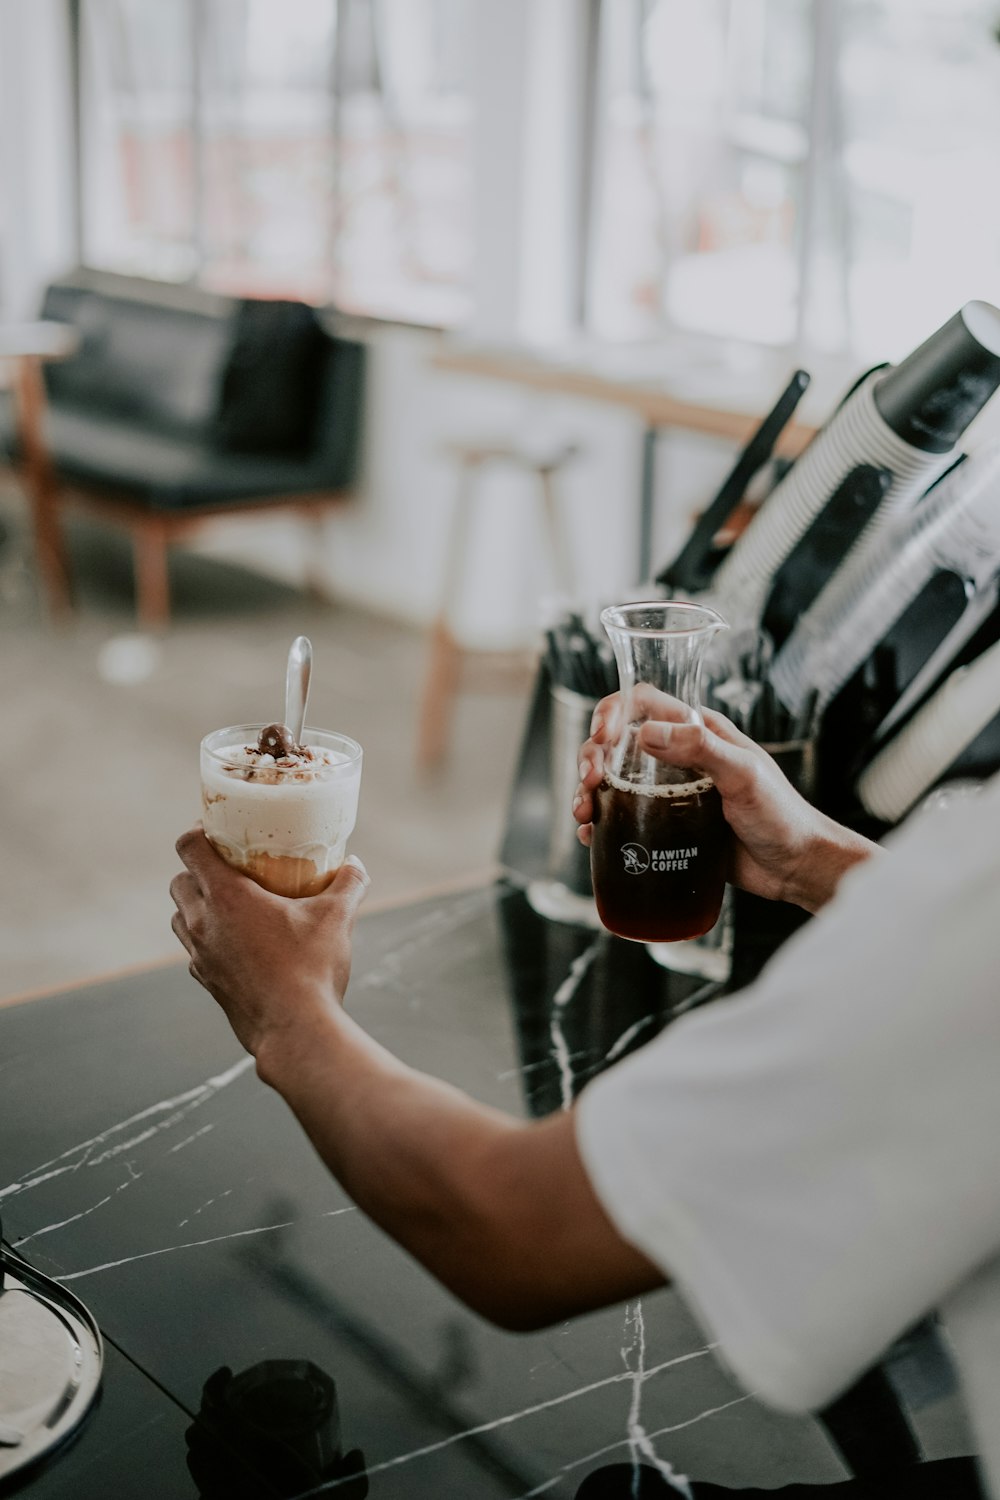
<point>784,848</point>
<point>277,965</point>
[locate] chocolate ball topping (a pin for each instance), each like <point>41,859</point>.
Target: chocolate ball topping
<point>276,740</point>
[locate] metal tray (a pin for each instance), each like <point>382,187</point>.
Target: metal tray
<point>51,1358</point>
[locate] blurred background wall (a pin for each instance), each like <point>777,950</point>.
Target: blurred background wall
<point>811,175</point>
<point>697,195</point>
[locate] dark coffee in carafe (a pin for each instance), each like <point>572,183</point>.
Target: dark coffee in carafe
<point>658,858</point>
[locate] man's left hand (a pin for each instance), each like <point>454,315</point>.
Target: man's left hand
<point>273,963</point>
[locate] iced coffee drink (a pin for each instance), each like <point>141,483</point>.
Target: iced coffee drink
<point>279,811</point>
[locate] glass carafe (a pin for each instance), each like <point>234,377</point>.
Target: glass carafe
<point>660,842</point>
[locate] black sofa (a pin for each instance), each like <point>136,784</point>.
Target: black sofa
<point>181,405</point>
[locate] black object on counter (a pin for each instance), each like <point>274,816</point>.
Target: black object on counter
<point>760,927</point>
<point>281,1419</point>
<point>870,1429</point>
<point>930,398</point>
<point>817,555</point>
<point>691,569</point>
<point>524,847</point>
<point>851,720</point>
<point>578,660</point>
<point>942,1479</point>
<point>618,1481</point>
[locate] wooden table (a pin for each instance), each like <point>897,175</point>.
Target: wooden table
<point>730,407</point>
<point>28,346</point>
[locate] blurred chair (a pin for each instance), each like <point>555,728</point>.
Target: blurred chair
<point>25,348</point>
<point>442,679</point>
<point>181,406</point>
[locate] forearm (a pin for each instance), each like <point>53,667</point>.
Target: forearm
<point>498,1210</point>
<point>409,1149</point>
<point>832,852</point>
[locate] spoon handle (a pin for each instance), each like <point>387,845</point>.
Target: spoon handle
<point>297,686</point>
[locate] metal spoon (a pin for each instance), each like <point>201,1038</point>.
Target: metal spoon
<point>297,686</point>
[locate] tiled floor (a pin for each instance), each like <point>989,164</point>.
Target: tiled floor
<point>102,775</point>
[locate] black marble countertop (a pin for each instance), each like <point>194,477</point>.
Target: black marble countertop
<point>144,1165</point>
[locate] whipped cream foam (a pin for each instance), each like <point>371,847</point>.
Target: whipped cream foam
<point>308,763</point>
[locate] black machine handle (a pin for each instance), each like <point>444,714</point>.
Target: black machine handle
<point>817,554</point>
<point>690,569</point>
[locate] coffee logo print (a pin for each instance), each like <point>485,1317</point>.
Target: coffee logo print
<point>636,858</point>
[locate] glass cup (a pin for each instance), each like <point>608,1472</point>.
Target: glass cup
<point>285,827</point>
<point>660,843</point>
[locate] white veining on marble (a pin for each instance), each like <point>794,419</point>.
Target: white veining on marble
<point>577,969</point>
<point>207,1204</point>
<point>589,1458</point>
<point>563,995</point>
<point>189,1138</point>
<point>395,967</point>
<point>239,1234</point>
<point>176,1109</point>
<point>695,998</point>
<point>639,1441</point>
<point>617,1048</point>
<point>140,1139</point>
<point>543,1062</point>
<point>540,1489</point>
<point>49,1228</point>
<point>506,1420</point>
<point>703,992</point>
<point>713,1411</point>
<point>134,1176</point>
<point>561,1054</point>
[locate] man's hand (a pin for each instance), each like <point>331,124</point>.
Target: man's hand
<point>501,1211</point>
<point>784,848</point>
<point>275,965</point>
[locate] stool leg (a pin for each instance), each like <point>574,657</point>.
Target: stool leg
<point>437,699</point>
<point>152,585</point>
<point>41,485</point>
<point>316,581</point>
<point>556,533</point>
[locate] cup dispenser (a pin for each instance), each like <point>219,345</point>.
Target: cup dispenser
<point>871,565</point>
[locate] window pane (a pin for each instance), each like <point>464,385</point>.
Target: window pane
<point>703,141</point>
<point>336,165</point>
<point>404,231</point>
<point>267,146</point>
<point>137,93</point>
<point>312,148</point>
<point>920,81</point>
<point>705,160</point>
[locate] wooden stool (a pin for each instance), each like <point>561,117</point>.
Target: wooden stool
<point>442,678</point>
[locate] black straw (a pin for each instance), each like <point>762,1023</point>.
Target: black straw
<point>578,660</point>
<point>689,569</point>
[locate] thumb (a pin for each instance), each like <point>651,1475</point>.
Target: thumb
<point>347,890</point>
<point>730,766</point>
<point>205,862</point>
